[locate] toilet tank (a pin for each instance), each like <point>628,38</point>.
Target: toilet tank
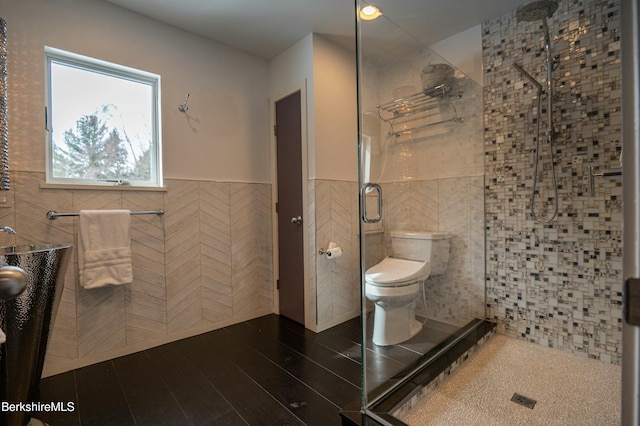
<point>421,246</point>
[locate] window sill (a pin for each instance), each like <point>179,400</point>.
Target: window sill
<point>104,187</point>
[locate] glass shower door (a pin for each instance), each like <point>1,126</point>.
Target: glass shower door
<point>420,171</point>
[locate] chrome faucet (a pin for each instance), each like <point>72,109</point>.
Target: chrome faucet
<point>9,230</point>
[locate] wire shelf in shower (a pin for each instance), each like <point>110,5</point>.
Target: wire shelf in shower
<point>425,108</point>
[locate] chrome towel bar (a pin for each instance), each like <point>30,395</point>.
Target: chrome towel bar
<point>53,215</point>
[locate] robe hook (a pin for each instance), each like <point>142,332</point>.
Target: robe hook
<point>183,106</point>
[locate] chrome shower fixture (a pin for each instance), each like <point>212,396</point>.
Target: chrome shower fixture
<point>541,10</point>
<point>536,10</point>
<point>528,77</point>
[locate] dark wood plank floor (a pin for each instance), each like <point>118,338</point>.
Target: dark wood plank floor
<point>266,371</point>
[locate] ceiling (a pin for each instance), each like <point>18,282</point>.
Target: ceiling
<point>266,28</point>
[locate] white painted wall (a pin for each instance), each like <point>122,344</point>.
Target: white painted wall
<point>223,136</point>
<point>291,69</point>
<point>336,130</point>
<point>330,74</point>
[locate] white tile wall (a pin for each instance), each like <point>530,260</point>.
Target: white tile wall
<point>207,261</point>
<point>432,181</point>
<point>337,280</point>
<point>445,205</point>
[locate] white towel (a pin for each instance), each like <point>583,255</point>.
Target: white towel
<point>104,251</point>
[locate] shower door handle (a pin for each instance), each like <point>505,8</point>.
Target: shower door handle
<point>363,202</point>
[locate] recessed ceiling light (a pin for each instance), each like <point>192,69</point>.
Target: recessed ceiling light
<point>370,12</point>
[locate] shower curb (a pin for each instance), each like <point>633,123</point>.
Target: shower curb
<point>475,333</point>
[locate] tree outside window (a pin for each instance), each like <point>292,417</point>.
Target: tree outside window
<point>103,123</point>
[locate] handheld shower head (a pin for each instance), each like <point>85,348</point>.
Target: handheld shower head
<point>540,10</point>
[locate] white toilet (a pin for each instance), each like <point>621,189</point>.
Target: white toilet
<point>395,283</point>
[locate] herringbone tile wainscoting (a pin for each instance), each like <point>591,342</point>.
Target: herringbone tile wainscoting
<point>205,264</point>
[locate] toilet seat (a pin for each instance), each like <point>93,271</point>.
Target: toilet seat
<point>378,291</point>
<point>392,272</point>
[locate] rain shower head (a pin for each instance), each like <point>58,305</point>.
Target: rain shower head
<point>536,10</point>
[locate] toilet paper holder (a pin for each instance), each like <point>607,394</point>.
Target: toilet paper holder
<point>329,250</point>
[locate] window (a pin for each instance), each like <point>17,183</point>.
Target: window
<point>103,122</point>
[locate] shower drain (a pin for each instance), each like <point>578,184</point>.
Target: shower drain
<point>523,400</point>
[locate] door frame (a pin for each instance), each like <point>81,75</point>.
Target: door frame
<point>631,212</point>
<point>301,87</point>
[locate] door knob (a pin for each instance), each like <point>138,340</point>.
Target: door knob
<point>296,220</point>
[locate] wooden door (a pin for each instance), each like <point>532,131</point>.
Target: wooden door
<point>288,129</point>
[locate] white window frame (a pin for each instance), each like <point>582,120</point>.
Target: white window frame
<point>53,55</point>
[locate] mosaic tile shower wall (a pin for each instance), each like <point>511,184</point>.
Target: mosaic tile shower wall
<point>556,284</point>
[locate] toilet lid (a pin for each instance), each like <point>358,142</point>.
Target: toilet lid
<point>393,271</point>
